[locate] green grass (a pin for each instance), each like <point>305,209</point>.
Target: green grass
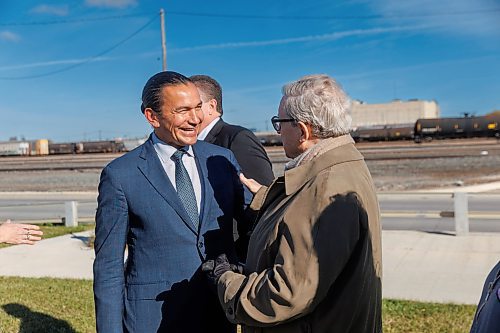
<point>31,305</point>
<point>46,305</point>
<point>409,317</point>
<point>54,230</point>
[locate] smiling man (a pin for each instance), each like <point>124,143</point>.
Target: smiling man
<point>171,202</point>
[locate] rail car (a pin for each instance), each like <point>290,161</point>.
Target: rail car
<point>112,146</point>
<point>422,130</point>
<point>269,138</point>
<point>383,133</point>
<point>375,133</point>
<point>24,147</point>
<point>451,128</point>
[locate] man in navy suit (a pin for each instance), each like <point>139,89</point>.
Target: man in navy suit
<point>170,204</point>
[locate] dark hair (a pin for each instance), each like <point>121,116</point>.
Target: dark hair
<point>151,94</point>
<point>210,88</point>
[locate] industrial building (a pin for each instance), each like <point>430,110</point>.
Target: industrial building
<point>392,113</point>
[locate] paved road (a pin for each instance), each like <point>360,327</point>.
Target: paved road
<point>438,225</point>
<point>419,202</point>
<point>26,206</point>
<point>401,211</point>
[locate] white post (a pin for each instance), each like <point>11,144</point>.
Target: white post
<point>71,216</point>
<point>461,213</point>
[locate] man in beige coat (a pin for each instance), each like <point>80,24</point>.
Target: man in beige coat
<point>314,259</point>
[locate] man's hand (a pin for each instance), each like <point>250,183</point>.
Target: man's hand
<point>214,269</point>
<point>252,185</point>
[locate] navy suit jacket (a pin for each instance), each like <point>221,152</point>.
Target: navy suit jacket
<point>161,289</point>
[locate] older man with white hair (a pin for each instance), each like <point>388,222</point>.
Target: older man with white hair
<point>314,258</point>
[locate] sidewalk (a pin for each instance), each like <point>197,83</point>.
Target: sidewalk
<point>419,266</point>
<point>66,256</point>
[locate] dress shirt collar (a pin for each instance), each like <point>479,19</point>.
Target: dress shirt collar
<point>167,150</point>
<point>203,134</point>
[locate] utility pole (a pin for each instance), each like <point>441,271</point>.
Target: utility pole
<point>163,40</point>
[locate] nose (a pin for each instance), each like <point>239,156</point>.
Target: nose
<point>195,117</point>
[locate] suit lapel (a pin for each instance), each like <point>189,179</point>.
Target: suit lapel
<point>206,189</point>
<point>152,169</point>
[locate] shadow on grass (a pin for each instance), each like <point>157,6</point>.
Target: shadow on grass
<point>36,322</point>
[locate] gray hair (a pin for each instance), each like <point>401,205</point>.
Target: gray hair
<point>210,88</point>
<point>320,101</point>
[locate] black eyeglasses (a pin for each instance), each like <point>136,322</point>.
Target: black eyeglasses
<point>276,121</point>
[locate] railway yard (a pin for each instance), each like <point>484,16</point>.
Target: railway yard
<point>401,165</point>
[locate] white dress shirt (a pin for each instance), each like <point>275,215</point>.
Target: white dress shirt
<point>203,134</point>
<point>165,152</point>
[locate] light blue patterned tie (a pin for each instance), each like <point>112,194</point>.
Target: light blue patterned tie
<point>185,188</point>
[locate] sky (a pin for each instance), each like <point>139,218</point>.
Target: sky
<point>74,70</point>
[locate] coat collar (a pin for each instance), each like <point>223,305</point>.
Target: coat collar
<point>298,176</point>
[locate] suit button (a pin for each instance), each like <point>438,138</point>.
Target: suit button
<point>230,311</point>
<point>200,245</point>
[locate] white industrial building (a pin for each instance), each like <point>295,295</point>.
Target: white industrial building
<point>392,113</point>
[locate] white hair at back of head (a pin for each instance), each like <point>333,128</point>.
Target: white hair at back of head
<point>320,101</point>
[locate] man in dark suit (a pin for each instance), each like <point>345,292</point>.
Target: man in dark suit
<point>170,203</point>
<point>242,142</point>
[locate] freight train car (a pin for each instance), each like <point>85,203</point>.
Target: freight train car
<point>451,128</point>
<point>269,138</point>
<point>383,133</point>
<point>15,148</point>
<point>84,147</point>
<point>111,146</point>
<point>62,148</point>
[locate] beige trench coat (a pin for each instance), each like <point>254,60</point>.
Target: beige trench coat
<point>314,258</point>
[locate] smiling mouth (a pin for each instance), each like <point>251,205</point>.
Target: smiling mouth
<point>191,130</point>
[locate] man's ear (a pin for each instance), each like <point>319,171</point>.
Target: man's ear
<point>152,117</point>
<point>305,131</point>
<point>212,103</point>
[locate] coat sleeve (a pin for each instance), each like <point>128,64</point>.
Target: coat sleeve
<point>252,157</point>
<point>320,246</point>
<point>110,240</point>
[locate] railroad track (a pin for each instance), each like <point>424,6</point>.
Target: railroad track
<point>371,151</point>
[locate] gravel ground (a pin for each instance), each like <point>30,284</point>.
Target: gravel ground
<point>61,180</point>
<point>434,173</point>
<point>389,175</point>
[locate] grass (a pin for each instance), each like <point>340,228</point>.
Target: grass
<point>53,230</point>
<point>46,305</point>
<point>32,305</point>
<point>413,317</point>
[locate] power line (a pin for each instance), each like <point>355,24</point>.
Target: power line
<point>76,20</point>
<point>260,17</point>
<point>330,18</point>
<point>84,61</point>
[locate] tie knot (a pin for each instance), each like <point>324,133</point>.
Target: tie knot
<point>177,156</point>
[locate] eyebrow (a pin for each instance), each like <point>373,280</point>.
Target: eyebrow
<point>182,108</point>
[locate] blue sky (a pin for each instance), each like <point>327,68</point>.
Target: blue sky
<point>74,70</point>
